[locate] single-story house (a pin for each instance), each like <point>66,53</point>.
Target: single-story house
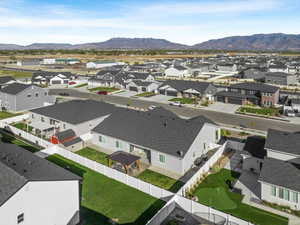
<point>143,86</point>
<point>281,78</point>
<point>160,140</point>
<point>36,191</point>
<point>17,97</point>
<point>102,64</point>
<point>52,78</point>
<point>177,71</point>
<point>6,80</point>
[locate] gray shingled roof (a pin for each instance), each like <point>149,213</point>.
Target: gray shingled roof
<point>283,141</point>
<point>65,134</point>
<point>5,79</point>
<point>281,173</point>
<point>170,135</point>
<point>256,87</point>
<point>76,111</point>
<point>182,85</point>
<point>19,166</point>
<point>255,145</point>
<point>14,88</point>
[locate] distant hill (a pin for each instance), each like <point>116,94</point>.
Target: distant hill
<point>273,42</point>
<point>278,42</point>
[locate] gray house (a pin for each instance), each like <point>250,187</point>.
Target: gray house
<point>17,97</point>
<point>281,78</point>
<point>160,139</point>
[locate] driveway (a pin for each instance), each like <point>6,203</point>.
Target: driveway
<point>224,107</point>
<point>159,99</point>
<point>126,93</point>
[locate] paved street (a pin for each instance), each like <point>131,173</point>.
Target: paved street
<point>217,117</point>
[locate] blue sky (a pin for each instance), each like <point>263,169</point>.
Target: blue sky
<point>185,21</point>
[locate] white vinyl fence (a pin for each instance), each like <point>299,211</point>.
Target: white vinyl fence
<point>14,119</point>
<point>204,169</point>
<point>147,188</point>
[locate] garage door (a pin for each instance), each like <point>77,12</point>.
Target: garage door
<point>162,92</point>
<point>133,89</point>
<point>220,98</point>
<point>172,93</point>
<point>144,89</point>
<point>56,82</point>
<point>236,101</point>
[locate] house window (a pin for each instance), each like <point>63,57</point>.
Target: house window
<point>118,144</point>
<point>131,148</point>
<point>46,93</point>
<point>20,218</point>
<point>286,194</point>
<point>217,134</point>
<point>36,94</point>
<point>162,158</point>
<point>294,197</point>
<point>280,193</point>
<point>29,95</point>
<point>64,126</point>
<point>273,191</point>
<point>42,119</point>
<point>204,146</point>
<point>32,116</point>
<point>101,139</point>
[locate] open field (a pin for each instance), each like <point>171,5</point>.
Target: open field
<point>104,199</point>
<point>214,192</point>
<point>15,74</point>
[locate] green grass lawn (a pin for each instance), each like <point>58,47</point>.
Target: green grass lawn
<point>93,154</point>
<point>23,126</point>
<point>103,198</point>
<point>160,180</point>
<point>108,89</point>
<point>260,111</point>
<point>15,74</point>
<point>184,100</point>
<point>81,85</point>
<point>11,139</point>
<point>145,94</point>
<point>214,191</point>
<point>5,115</point>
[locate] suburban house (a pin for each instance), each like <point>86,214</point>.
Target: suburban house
<point>281,78</point>
<point>6,80</point>
<point>280,173</point>
<point>67,61</point>
<point>36,191</point>
<point>143,86</point>
<point>52,78</point>
<point>17,97</point>
<point>105,78</point>
<point>160,139</point>
<point>197,69</point>
<point>188,89</point>
<point>250,93</point>
<point>102,64</point>
<point>177,71</point>
<point>273,68</point>
<point>81,116</point>
<point>252,73</point>
<point>227,67</point>
<point>28,62</point>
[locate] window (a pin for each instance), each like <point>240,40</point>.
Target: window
<point>204,146</point>
<point>273,191</point>
<point>217,134</point>
<point>118,144</point>
<point>42,119</point>
<point>64,126</point>
<point>294,197</point>
<point>101,139</point>
<point>20,218</point>
<point>46,93</point>
<point>131,148</point>
<point>281,193</point>
<point>36,94</point>
<point>286,194</point>
<point>162,158</point>
<point>32,116</point>
<point>29,95</point>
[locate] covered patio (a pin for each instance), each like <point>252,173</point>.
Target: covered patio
<point>41,129</point>
<point>125,162</point>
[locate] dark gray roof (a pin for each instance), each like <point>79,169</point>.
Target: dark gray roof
<point>161,111</point>
<point>182,85</point>
<point>15,88</point>
<point>48,74</point>
<point>170,135</point>
<point>235,94</point>
<point>256,87</point>
<point>283,141</point>
<point>65,134</point>
<point>255,145</point>
<point>279,74</point>
<point>178,67</point>
<point>281,173</point>
<point>142,83</point>
<point>124,158</point>
<point>295,101</point>
<point>72,142</point>
<point>19,166</point>
<point>5,79</point>
<point>76,111</point>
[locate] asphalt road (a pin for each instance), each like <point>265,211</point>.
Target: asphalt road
<point>232,120</point>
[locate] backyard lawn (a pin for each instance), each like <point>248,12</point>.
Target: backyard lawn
<point>214,191</point>
<point>4,115</point>
<point>23,126</point>
<point>108,89</point>
<point>93,154</point>
<point>103,199</point>
<point>184,100</point>
<point>11,139</point>
<point>160,180</point>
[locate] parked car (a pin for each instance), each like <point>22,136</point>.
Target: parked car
<point>102,92</point>
<point>151,107</point>
<point>290,113</point>
<point>176,104</point>
<point>72,82</point>
<point>64,94</point>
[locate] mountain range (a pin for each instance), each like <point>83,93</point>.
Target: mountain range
<point>272,42</point>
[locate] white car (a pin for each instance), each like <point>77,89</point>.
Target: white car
<point>176,104</point>
<point>290,113</point>
<point>151,107</point>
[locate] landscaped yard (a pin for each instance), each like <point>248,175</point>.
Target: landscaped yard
<point>103,199</point>
<point>11,139</point>
<point>214,192</point>
<point>15,74</point>
<point>184,100</point>
<point>260,111</point>
<point>23,126</point>
<point>93,154</point>
<point>145,94</point>
<point>4,115</point>
<point>108,89</point>
<point>160,180</point>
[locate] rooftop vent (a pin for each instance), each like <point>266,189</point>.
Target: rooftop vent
<point>180,153</point>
